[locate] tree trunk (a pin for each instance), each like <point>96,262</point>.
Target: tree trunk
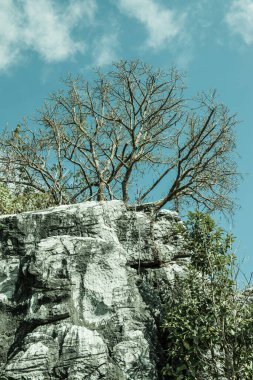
<point>101,191</point>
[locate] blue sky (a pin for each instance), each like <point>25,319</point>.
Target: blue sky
<point>211,41</point>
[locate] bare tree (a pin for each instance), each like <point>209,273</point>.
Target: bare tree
<point>132,124</point>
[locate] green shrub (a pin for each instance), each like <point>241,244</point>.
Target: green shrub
<point>20,200</point>
<point>209,325</point>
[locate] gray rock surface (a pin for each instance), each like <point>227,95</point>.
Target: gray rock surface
<point>82,289</point>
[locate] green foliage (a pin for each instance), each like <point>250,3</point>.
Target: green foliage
<point>210,245</point>
<point>209,325</point>
<point>16,201</point>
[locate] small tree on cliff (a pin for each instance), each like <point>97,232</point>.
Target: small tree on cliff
<point>95,140</point>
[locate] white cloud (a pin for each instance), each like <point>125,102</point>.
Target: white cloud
<point>240,19</point>
<point>162,24</point>
<point>43,26</point>
<point>9,33</point>
<point>105,49</point>
<point>48,30</point>
<point>90,7</point>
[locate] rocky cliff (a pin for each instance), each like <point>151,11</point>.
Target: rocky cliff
<point>82,291</point>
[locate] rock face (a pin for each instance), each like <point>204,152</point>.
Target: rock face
<point>82,289</point>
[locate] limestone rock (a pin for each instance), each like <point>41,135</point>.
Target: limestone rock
<point>82,289</point>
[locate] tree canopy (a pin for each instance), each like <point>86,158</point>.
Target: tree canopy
<point>129,134</point>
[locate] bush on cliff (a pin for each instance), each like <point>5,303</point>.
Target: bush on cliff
<point>20,200</point>
<point>209,325</point>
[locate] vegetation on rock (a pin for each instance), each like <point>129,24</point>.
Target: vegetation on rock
<point>209,324</point>
<point>20,200</point>
<point>134,128</point>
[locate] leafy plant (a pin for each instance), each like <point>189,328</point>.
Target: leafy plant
<point>209,325</point>
<point>19,200</point>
